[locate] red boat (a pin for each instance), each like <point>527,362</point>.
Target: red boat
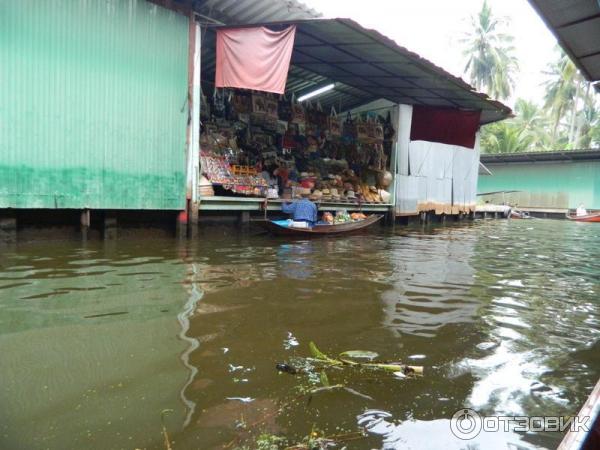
<point>592,217</point>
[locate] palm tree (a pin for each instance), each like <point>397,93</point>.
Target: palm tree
<point>491,63</point>
<point>505,137</point>
<point>530,118</point>
<point>562,88</point>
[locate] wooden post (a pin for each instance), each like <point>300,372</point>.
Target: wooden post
<point>110,226</point>
<point>8,229</point>
<point>193,214</point>
<point>244,218</point>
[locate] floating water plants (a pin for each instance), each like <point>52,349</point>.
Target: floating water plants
<point>352,358</point>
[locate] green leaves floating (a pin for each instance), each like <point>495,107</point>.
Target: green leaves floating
<point>318,354</point>
<point>358,354</point>
<point>346,359</point>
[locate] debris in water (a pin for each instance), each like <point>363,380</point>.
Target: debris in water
<point>290,342</point>
<point>287,368</point>
<point>233,368</point>
<point>417,357</point>
<point>359,354</point>
<point>322,358</point>
<point>241,399</point>
<point>225,350</point>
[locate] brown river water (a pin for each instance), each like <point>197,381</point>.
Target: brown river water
<point>97,339</point>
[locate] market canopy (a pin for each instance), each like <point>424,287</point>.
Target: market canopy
<point>576,25</point>
<point>366,66</point>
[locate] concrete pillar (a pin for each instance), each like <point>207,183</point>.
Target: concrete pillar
<point>423,217</point>
<point>84,222</point>
<point>8,229</point>
<point>110,226</point>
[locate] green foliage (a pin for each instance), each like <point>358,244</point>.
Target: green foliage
<point>569,118</point>
<point>491,63</point>
<point>269,442</point>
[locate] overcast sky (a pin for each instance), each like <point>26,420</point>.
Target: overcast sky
<point>433,29</point>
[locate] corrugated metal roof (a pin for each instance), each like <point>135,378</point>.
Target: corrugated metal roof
<point>255,11</point>
<point>576,25</point>
<point>567,155</point>
<point>366,65</point>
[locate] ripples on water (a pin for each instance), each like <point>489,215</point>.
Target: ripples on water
<point>96,341</point>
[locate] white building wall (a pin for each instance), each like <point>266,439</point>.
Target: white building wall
<point>433,176</point>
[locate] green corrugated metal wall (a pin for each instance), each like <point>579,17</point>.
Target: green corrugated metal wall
<point>93,107</point>
<point>545,185</point>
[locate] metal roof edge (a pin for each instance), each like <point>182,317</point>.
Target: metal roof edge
<point>425,63</point>
<point>542,156</point>
<point>561,42</point>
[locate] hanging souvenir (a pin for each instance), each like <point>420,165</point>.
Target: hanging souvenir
<point>388,128</point>
<point>242,103</point>
<point>271,108</point>
<point>370,125</point>
<point>349,129</point>
<point>333,124</point>
<point>362,133</point>
<point>378,131</point>
<point>298,116</point>
<point>219,103</point>
<point>284,108</point>
<point>259,104</point>
<point>321,118</point>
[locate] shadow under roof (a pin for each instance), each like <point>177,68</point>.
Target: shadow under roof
<point>365,66</point>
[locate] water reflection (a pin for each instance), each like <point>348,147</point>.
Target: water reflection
<point>432,283</point>
<point>96,341</point>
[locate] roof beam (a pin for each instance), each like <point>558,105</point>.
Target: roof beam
<point>578,21</point>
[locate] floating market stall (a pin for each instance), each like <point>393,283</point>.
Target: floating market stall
<point>325,107</point>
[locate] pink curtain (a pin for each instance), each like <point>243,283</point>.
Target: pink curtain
<point>254,58</point>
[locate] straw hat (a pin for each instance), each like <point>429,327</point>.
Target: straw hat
<point>317,194</point>
<point>351,195</point>
<point>335,194</point>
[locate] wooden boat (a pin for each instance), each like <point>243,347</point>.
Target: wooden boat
<point>276,227</point>
<point>580,439</point>
<point>593,217</point>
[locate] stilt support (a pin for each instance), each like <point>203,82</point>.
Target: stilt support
<point>8,229</point>
<point>110,226</point>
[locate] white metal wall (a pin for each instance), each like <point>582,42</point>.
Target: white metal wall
<point>433,176</point>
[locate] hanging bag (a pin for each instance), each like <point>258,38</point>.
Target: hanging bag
<point>333,124</point>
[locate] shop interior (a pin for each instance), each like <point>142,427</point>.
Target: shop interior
<point>319,138</point>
